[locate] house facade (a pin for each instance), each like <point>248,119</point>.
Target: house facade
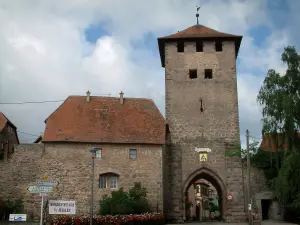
<point>129,134</point>
<point>8,137</point>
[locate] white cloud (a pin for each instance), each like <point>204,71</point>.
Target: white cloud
<point>44,54</point>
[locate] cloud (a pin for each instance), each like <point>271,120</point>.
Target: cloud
<point>46,56</point>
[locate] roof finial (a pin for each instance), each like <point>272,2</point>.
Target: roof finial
<point>197,15</point>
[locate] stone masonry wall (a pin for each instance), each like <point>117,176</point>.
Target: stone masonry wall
<point>257,180</point>
<point>216,128</point>
<point>71,165</point>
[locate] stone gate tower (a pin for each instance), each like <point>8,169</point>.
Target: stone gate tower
<point>202,119</point>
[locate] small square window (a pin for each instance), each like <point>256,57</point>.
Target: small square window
<point>99,154</point>
<point>113,182</point>
<point>208,74</point>
<point>180,46</point>
<point>193,74</point>
<point>132,153</point>
<point>102,182</point>
<point>199,46</point>
<point>219,46</point>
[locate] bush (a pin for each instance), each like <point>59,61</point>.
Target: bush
<point>10,207</point>
<point>121,202</point>
<point>142,219</point>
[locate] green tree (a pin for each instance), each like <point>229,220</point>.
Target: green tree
<point>132,202</point>
<point>280,98</point>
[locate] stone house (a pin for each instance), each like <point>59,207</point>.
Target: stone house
<point>8,137</point>
<point>129,133</point>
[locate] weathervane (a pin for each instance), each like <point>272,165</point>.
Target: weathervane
<point>197,15</point>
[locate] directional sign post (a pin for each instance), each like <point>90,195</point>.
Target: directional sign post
<point>42,187</point>
<point>39,189</point>
<point>49,183</point>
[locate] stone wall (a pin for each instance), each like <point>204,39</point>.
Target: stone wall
<point>257,180</point>
<point>71,165</point>
<point>217,127</point>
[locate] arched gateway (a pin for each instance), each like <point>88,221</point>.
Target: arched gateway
<point>214,179</point>
<point>202,118</point>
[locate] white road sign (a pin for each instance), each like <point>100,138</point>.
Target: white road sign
<point>50,183</point>
<point>17,217</point>
<point>62,207</point>
<point>39,189</point>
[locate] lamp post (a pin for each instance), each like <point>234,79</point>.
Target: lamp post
<point>93,151</point>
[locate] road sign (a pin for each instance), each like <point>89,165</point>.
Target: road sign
<point>249,206</point>
<point>229,197</point>
<point>44,178</point>
<point>43,194</point>
<point>203,157</point>
<point>39,189</point>
<point>17,217</point>
<point>50,183</point>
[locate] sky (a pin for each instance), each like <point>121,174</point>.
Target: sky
<point>53,49</point>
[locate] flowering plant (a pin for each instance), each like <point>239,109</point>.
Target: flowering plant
<point>132,219</point>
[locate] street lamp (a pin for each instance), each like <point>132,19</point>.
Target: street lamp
<point>93,151</point>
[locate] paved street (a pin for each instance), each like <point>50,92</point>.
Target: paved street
<point>269,222</point>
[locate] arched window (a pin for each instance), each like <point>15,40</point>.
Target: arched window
<point>108,181</point>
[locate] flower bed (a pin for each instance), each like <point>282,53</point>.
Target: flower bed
<point>142,219</point>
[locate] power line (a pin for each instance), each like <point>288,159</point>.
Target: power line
<point>256,138</point>
<point>21,103</point>
<point>28,133</point>
<point>41,102</point>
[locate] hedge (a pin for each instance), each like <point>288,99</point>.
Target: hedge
<point>134,219</point>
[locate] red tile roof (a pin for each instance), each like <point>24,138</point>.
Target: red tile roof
<point>4,121</point>
<point>269,144</point>
<point>197,32</point>
<point>105,120</point>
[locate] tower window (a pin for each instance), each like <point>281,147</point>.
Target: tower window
<point>208,74</point>
<point>199,46</point>
<point>180,46</point>
<point>219,46</point>
<point>193,74</point>
<point>132,153</point>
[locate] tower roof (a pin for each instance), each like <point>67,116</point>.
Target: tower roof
<point>197,32</point>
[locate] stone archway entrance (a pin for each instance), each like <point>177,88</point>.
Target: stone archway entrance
<point>211,177</point>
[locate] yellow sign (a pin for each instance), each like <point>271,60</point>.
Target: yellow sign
<point>203,157</point>
<point>44,178</point>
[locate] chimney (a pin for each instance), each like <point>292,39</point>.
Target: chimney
<point>121,98</point>
<point>88,96</point>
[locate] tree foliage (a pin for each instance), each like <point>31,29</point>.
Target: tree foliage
<point>280,98</point>
<point>120,202</point>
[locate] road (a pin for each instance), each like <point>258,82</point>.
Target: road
<point>267,222</point>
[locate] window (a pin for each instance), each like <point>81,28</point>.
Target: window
<point>199,46</point>
<point>108,180</point>
<point>193,74</point>
<point>132,153</point>
<point>99,154</point>
<point>113,182</point>
<point>180,46</point>
<point>102,181</point>
<point>219,46</point>
<point>208,74</point>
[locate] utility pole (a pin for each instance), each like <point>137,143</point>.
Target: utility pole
<point>248,175</point>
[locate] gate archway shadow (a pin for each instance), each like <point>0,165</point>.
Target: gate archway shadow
<point>213,178</point>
